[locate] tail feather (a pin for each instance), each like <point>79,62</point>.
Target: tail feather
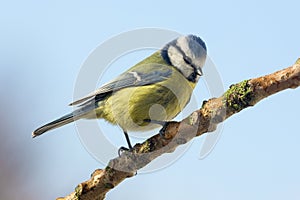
<point>54,124</point>
<point>84,112</point>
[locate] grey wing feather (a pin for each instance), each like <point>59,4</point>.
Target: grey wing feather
<point>131,78</point>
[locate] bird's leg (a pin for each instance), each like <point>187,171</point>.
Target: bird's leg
<point>163,129</point>
<point>128,142</point>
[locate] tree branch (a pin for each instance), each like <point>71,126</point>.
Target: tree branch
<point>214,111</point>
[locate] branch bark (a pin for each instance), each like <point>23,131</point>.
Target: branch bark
<point>214,111</point>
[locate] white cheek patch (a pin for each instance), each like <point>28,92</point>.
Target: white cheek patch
<point>176,59</point>
<point>186,70</point>
<point>174,55</point>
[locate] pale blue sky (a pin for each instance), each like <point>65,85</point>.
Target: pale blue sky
<point>43,44</point>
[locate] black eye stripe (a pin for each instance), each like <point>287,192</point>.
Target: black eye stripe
<point>187,60</point>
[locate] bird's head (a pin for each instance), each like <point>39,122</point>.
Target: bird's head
<point>187,54</point>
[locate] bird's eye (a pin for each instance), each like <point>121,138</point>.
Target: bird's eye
<point>187,60</point>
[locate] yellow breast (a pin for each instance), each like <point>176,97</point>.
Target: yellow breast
<point>130,107</point>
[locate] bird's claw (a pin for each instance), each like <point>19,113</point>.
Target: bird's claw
<point>124,149</point>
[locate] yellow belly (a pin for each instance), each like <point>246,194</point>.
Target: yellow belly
<point>130,107</point>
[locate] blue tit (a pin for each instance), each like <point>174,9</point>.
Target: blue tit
<point>154,90</point>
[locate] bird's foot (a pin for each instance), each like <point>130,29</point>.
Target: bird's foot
<point>163,129</point>
<point>124,149</point>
